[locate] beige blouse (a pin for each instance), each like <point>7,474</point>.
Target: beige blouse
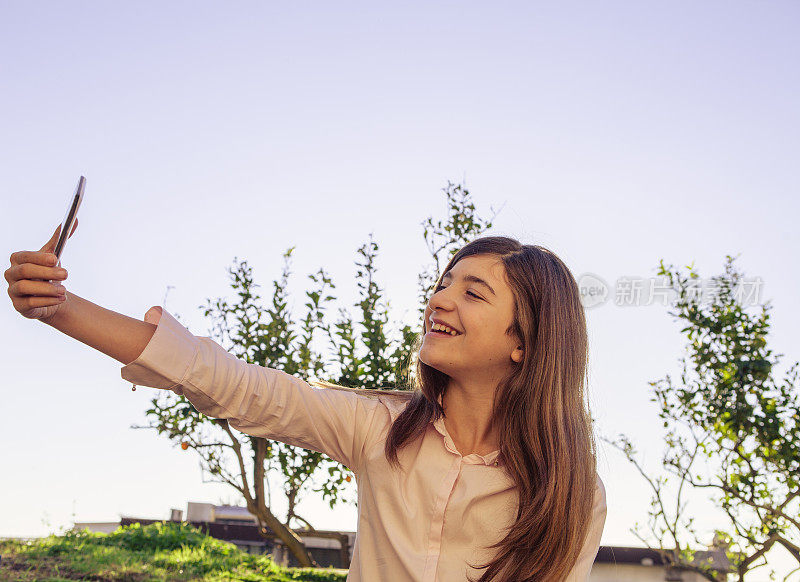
<point>427,524</point>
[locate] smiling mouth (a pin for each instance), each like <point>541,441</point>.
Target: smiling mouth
<point>441,333</point>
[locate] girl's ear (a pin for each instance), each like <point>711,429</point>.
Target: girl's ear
<point>517,354</point>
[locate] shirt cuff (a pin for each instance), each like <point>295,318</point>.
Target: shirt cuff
<point>167,356</point>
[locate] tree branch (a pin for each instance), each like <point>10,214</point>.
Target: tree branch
<point>237,447</point>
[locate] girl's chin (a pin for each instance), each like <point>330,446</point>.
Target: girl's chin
<point>437,365</point>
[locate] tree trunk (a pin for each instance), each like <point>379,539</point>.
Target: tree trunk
<point>286,535</point>
<point>265,516</point>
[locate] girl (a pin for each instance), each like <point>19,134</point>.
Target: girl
<point>485,472</point>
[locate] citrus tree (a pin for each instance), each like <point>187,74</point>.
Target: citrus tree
<point>359,351</point>
<point>732,431</point>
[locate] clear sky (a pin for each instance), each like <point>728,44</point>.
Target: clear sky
<point>615,133</point>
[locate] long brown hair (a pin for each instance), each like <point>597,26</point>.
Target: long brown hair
<point>541,413</point>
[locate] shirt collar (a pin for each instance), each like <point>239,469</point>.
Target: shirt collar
<point>473,458</point>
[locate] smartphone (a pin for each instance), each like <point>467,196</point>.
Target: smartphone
<point>69,217</point>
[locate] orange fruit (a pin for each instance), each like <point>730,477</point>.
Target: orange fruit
<point>348,478</point>
<point>184,445</point>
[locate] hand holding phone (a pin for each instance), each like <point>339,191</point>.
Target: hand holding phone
<point>34,277</point>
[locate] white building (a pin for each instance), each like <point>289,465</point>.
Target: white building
<point>627,564</point>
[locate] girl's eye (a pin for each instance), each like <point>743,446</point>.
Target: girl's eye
<point>440,287</point>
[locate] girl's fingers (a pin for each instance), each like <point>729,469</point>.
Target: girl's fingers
<point>25,304</point>
<point>32,271</point>
<point>44,258</point>
<point>28,288</point>
<point>33,280</point>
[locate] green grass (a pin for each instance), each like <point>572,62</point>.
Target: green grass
<point>165,551</point>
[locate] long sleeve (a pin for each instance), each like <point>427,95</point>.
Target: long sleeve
<point>583,566</point>
<point>256,400</point>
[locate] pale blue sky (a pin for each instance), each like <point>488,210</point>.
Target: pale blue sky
<point>615,133</point>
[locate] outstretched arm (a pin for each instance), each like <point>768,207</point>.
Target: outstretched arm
<point>259,401</point>
<point>119,336</point>
<point>161,353</point>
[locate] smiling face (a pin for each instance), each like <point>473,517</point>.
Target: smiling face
<point>483,352</point>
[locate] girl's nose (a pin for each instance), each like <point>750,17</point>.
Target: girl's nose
<point>440,302</point>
